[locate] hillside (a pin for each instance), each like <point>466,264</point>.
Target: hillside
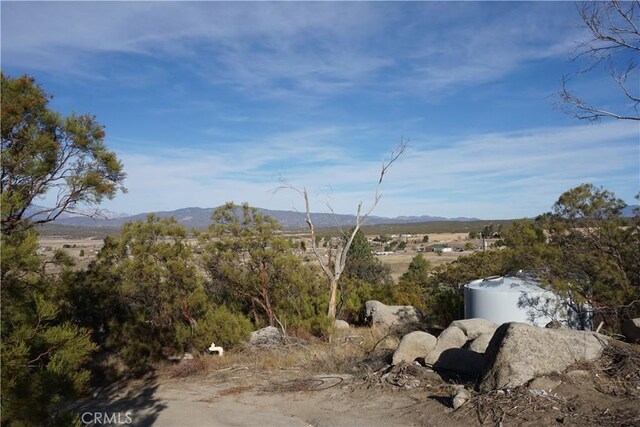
<point>201,217</point>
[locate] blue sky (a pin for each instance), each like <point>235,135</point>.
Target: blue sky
<point>207,102</point>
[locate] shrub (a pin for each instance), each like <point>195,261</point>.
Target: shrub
<point>446,304</point>
<point>223,327</point>
<point>318,326</point>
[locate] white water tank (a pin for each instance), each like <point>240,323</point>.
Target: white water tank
<point>511,299</point>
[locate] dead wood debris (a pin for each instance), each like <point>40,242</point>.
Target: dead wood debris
<point>617,372</point>
<point>498,406</point>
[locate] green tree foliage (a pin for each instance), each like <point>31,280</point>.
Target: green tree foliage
<point>364,278</point>
<point>41,355</point>
<point>362,264</point>
<point>355,292</point>
<point>252,267</point>
<point>527,247</point>
<point>222,326</point>
<point>596,254</point>
<point>159,294</point>
<point>583,249</point>
<point>43,151</point>
<point>418,271</point>
<point>43,352</point>
<point>491,231</point>
<point>413,284</point>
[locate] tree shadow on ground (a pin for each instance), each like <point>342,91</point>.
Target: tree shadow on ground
<point>121,404</point>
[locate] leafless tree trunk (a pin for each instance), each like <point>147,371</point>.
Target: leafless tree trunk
<point>614,45</point>
<point>334,265</point>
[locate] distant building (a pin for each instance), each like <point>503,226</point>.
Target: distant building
<point>440,248</point>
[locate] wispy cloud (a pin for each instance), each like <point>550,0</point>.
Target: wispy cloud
<point>211,101</point>
<point>293,50</point>
<point>512,174</point>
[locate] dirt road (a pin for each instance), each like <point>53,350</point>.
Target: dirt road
<point>312,401</point>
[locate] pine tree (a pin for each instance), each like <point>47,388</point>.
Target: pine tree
<point>43,354</point>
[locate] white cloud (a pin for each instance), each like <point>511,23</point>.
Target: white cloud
<point>497,175</point>
<point>293,50</point>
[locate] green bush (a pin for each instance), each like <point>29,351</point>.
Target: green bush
<point>354,293</point>
<point>319,325</point>
<point>42,356</point>
<point>222,327</point>
<point>446,304</point>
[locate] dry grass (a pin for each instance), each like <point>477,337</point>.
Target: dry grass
<point>399,262</point>
<point>187,368</point>
<point>511,405</point>
<point>350,351</point>
<point>618,370</point>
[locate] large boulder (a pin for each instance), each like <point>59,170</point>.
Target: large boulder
<point>341,324</point>
<point>519,352</point>
<point>452,337</point>
<point>480,344</point>
<point>378,314</point>
<point>631,330</point>
<point>475,327</point>
<point>414,345</point>
<point>265,337</point>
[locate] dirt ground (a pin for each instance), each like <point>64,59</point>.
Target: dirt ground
<point>399,262</point>
<point>295,387</point>
<point>82,250</point>
<point>291,398</point>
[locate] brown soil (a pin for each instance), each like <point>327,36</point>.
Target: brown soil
<point>320,384</point>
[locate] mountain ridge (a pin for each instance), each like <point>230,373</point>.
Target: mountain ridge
<point>196,217</point>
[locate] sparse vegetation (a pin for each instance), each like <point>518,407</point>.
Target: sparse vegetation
<point>156,291</point>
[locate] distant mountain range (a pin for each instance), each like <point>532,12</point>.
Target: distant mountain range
<point>104,214</point>
<point>628,212</point>
<point>201,218</point>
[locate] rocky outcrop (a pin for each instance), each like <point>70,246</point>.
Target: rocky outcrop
<point>631,330</point>
<point>378,314</point>
<point>448,353</point>
<point>473,328</point>
<point>341,324</point>
<point>519,352</point>
<point>452,337</point>
<point>265,337</point>
<point>459,397</point>
<point>413,346</point>
<point>480,344</point>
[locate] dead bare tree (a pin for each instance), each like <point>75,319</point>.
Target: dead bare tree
<point>333,266</point>
<point>614,45</point>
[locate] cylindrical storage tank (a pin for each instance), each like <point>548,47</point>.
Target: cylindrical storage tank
<point>511,299</point>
